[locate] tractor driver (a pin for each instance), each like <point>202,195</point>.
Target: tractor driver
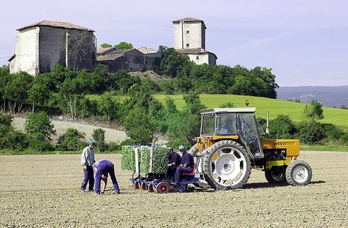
<point>186,165</point>
<point>174,162</point>
<point>228,128</point>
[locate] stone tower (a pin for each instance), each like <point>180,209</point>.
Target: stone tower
<point>189,33</point>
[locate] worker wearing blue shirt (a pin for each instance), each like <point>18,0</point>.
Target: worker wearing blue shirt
<point>105,167</point>
<point>186,165</point>
<point>174,162</point>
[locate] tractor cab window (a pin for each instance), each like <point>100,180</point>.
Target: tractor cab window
<point>208,124</point>
<point>248,131</point>
<point>226,124</point>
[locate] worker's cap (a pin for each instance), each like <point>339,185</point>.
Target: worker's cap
<point>95,165</point>
<point>182,147</point>
<point>170,149</point>
<point>91,142</point>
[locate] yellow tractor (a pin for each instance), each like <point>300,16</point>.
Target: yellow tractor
<point>232,142</point>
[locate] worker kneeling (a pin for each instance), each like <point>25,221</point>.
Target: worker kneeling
<point>186,165</point>
<point>104,167</point>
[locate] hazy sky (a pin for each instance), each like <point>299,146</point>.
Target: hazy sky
<point>305,42</point>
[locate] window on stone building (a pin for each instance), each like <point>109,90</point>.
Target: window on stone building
<point>187,45</point>
<point>197,57</point>
<point>187,32</point>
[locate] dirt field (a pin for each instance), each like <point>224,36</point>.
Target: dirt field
<point>43,191</point>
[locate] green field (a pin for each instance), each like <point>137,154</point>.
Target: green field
<point>263,105</point>
<point>336,116</point>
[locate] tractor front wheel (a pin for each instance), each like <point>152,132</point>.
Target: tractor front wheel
<point>227,165</point>
<point>276,175</point>
<point>298,173</point>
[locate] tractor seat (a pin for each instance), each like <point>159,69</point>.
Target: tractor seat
<point>192,173</point>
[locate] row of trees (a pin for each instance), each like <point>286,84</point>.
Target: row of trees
<point>217,79</point>
<point>147,117</point>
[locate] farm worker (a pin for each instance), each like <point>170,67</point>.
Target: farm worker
<point>186,165</point>
<point>87,160</point>
<point>174,161</point>
<point>105,167</point>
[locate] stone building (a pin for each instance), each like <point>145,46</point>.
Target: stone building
<point>189,39</point>
<point>42,45</point>
<point>125,59</point>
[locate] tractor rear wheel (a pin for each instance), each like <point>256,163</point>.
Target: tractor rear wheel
<point>227,165</point>
<point>298,173</point>
<point>194,151</point>
<point>276,175</point>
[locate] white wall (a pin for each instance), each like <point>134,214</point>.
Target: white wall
<point>191,33</point>
<point>26,52</point>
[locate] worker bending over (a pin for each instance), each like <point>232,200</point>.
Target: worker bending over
<point>104,167</point>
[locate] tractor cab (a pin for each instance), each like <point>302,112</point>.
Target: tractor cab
<point>238,124</point>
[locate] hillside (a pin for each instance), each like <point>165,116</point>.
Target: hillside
<point>263,105</point>
<point>329,96</point>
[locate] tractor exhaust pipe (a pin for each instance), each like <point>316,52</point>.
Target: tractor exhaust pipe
<point>267,125</point>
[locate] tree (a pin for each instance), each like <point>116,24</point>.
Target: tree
<point>105,45</point>
<point>108,106</point>
<point>282,127</point>
<point>99,136</point>
<point>72,91</point>
<point>311,132</point>
<point>71,140</point>
<point>39,126</point>
<point>38,94</point>
<point>123,45</point>
<point>139,126</point>
<point>4,79</point>
<point>184,125</point>
<point>16,91</point>
<point>313,111</point>
<point>193,103</point>
<point>173,62</point>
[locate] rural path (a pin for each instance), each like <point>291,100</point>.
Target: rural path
<point>61,126</point>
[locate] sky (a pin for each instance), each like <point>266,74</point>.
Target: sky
<point>304,42</point>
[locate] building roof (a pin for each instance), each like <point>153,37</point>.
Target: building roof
<point>56,24</point>
<point>224,110</point>
<point>188,19</point>
<point>194,51</point>
<point>108,54</point>
<point>104,51</point>
<point>146,50</point>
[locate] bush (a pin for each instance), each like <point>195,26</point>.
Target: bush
<point>311,132</point>
<point>16,141</point>
<point>99,136</point>
<point>39,126</point>
<point>332,131</point>
<point>71,140</point>
<point>282,127</point>
<point>344,138</point>
<point>113,147</point>
<point>40,145</point>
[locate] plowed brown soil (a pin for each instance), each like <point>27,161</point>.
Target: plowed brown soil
<point>43,191</point>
